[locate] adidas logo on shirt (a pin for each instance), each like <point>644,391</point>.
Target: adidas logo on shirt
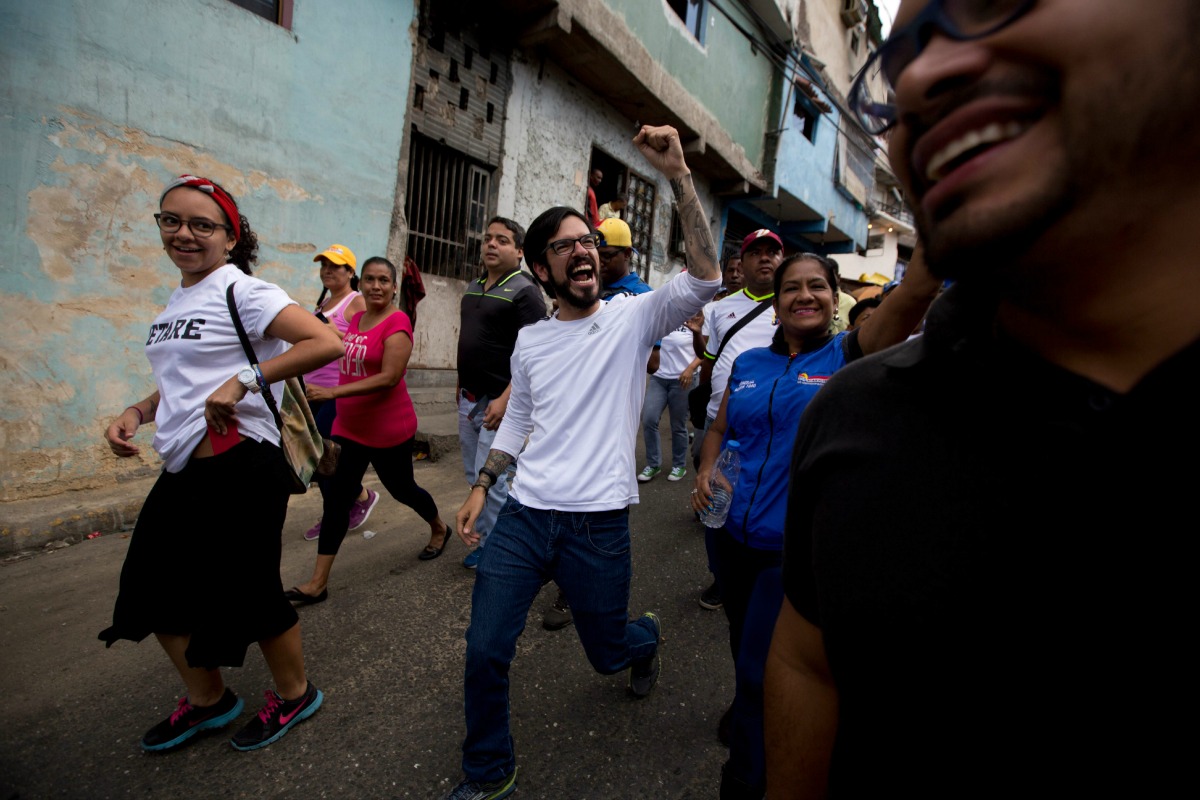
<point>732,315</point>
<point>594,329</point>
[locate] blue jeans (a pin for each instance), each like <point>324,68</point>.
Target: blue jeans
<point>587,555</point>
<point>475,441</point>
<point>747,757</point>
<point>665,393</point>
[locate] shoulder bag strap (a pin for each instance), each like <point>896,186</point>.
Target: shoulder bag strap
<point>250,354</point>
<point>741,323</point>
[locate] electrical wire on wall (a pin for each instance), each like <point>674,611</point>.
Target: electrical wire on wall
<point>792,66</point>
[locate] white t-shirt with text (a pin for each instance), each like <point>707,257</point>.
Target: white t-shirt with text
<point>193,348</point>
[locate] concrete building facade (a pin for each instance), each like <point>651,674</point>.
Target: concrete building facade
<point>391,126</point>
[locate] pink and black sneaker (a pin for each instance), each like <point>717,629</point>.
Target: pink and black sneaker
<point>187,720</point>
<point>276,718</point>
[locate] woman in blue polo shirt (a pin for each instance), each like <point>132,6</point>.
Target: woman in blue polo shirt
<point>768,390</point>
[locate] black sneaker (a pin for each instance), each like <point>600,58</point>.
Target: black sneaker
<point>492,790</point>
<point>643,676</point>
<point>187,720</point>
<point>710,598</point>
<point>276,718</point>
<point>725,726</point>
<point>557,616</point>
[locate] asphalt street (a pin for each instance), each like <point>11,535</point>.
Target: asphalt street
<point>387,650</point>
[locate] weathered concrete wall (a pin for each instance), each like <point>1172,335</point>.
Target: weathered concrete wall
<point>551,128</point>
<point>103,103</point>
<point>830,41</point>
<point>435,337</point>
<point>725,73</point>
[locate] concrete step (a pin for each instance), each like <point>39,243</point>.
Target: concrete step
<point>428,401</point>
<point>439,432</point>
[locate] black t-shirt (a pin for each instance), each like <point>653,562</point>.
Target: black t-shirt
<point>994,549</point>
<point>490,319</point>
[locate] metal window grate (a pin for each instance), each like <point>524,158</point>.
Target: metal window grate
<point>447,208</point>
<point>639,214</point>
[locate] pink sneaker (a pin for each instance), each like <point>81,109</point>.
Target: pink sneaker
<point>360,511</point>
<point>313,533</point>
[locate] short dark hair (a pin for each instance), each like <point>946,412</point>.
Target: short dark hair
<point>828,264</point>
<point>381,260</point>
<point>861,306</point>
<point>518,233</point>
<point>537,238</point>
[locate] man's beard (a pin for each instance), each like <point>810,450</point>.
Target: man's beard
<point>576,296</point>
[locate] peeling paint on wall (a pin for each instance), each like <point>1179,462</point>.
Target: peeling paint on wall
<point>93,129</point>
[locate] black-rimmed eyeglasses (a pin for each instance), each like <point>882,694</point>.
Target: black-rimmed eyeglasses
<point>562,247</point>
<point>871,96</point>
<point>201,228</point>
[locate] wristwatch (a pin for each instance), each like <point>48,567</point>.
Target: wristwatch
<point>248,379</point>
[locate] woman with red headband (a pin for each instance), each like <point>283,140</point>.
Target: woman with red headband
<point>202,571</point>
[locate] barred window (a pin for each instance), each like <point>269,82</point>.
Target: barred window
<point>447,209</point>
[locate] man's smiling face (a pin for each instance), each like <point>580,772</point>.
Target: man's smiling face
<point>1048,122</point>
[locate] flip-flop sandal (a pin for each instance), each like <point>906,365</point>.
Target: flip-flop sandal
<point>301,599</point>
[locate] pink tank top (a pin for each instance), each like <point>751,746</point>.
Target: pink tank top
<point>328,374</point>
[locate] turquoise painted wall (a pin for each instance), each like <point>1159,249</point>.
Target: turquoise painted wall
<point>105,101</point>
<point>724,73</point>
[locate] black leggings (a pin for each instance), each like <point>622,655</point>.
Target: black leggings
<point>393,465</point>
<point>324,412</point>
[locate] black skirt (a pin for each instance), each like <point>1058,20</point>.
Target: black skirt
<point>204,557</point>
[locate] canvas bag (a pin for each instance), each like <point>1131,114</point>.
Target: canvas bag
<point>301,442</point>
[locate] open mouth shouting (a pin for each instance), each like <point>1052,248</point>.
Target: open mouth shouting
<point>582,272</point>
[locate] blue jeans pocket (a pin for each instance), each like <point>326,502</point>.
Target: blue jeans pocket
<point>510,506</point>
<point>608,537</point>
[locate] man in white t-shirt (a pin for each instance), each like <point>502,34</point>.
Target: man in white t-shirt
<point>567,516</point>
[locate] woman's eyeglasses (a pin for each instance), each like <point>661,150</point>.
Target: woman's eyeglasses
<point>201,228</point>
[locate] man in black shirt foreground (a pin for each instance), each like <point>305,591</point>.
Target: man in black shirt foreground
<point>986,574</point>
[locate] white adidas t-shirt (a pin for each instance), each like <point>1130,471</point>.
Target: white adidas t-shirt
<point>193,348</point>
<point>719,317</point>
<point>577,392</point>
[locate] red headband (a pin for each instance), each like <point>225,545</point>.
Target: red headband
<point>218,194</point>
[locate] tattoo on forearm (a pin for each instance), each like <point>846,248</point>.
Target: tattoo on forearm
<point>698,242</point>
<point>498,461</point>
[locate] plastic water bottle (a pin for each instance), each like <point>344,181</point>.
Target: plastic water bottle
<point>723,481</point>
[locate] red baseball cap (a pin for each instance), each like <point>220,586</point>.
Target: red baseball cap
<point>759,234</point>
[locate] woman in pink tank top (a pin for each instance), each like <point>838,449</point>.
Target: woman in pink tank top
<point>337,305</point>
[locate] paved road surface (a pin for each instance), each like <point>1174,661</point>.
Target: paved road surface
<point>387,650</point>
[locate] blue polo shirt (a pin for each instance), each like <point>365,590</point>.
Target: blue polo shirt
<point>630,284</point>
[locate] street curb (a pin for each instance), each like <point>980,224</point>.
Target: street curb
<point>69,518</point>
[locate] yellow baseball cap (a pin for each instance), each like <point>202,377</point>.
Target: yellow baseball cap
<point>614,232</point>
<point>339,254</point>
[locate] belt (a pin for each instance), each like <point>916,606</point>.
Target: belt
<point>470,397</point>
